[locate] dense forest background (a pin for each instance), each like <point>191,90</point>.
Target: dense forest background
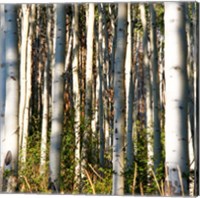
<point>99,98</point>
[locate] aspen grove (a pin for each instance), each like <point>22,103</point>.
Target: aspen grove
<point>99,98</point>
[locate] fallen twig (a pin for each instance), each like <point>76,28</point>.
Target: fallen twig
<point>134,179</point>
<point>90,181</point>
<point>97,174</point>
<point>156,182</point>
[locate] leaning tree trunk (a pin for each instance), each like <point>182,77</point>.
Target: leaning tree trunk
<point>176,138</point>
<point>57,97</point>
<point>119,102</point>
<point>12,98</point>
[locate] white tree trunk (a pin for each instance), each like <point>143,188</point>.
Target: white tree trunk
<point>28,92</point>
<point>161,78</point>
<point>76,96</point>
<point>195,49</point>
<point>12,96</point>
<point>129,93</point>
<point>2,91</point>
<point>23,58</point>
<point>105,78</point>
<point>57,97</point>
<point>89,82</point>
<point>176,137</point>
<point>45,113</point>
<point>119,102</point>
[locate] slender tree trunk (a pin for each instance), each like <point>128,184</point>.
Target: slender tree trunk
<point>113,25</point>
<point>129,93</point>
<point>28,90</point>
<point>136,83</point>
<point>119,102</point>
<point>176,137</point>
<point>57,97</point>
<point>89,84</point>
<point>162,80</point>
<point>113,13</point>
<point>69,51</point>
<point>76,96</point>
<point>2,91</point>
<point>100,74</point>
<point>12,97</point>
<point>97,126</point>
<point>146,106</point>
<point>190,71</point>
<point>23,58</point>
<point>45,113</point>
<point>196,9</point>
<point>105,76</point>
<point>156,94</point>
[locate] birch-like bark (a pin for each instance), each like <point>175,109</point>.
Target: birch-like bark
<point>76,96</point>
<point>12,97</point>
<point>69,51</point>
<point>119,102</point>
<point>28,88</point>
<point>45,113</point>
<point>106,78</point>
<point>89,83</point>
<point>162,80</point>
<point>23,58</point>
<point>156,93</point>
<point>57,97</point>
<point>129,92</point>
<point>176,134</point>
<point>2,91</point>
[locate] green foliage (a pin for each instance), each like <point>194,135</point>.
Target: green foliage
<point>30,179</point>
<point>104,186</point>
<point>159,9</point>
<point>101,180</point>
<point>29,176</point>
<point>67,155</point>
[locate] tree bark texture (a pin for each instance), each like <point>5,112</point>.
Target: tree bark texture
<point>119,102</point>
<point>12,97</point>
<point>57,97</point>
<point>176,134</point>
